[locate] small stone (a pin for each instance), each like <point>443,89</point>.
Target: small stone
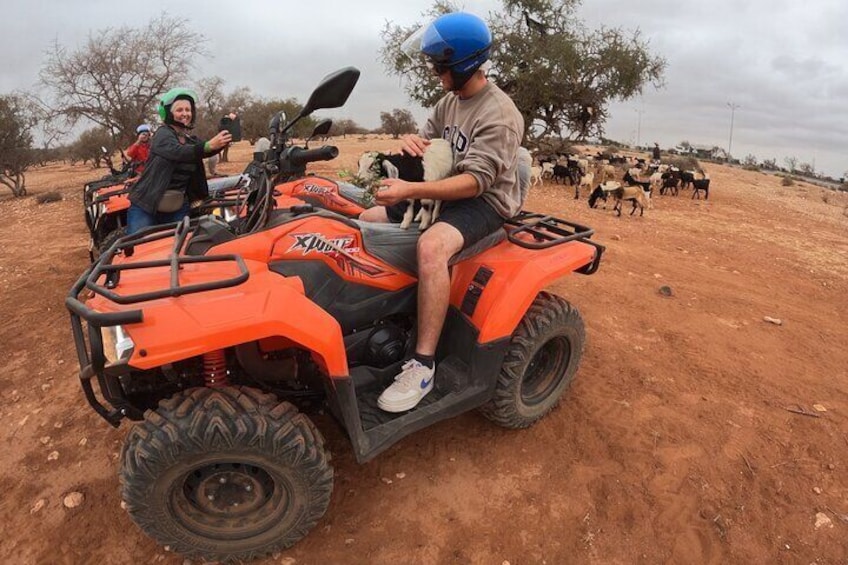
<point>58,425</point>
<point>60,362</point>
<point>666,291</point>
<point>452,459</point>
<point>775,321</point>
<point>54,455</point>
<point>823,521</point>
<point>349,541</point>
<point>73,499</point>
<point>83,441</point>
<point>817,490</point>
<point>45,387</point>
<point>39,504</point>
<point>288,561</point>
<point>45,440</point>
<point>123,505</point>
<point>400,475</point>
<point>386,480</point>
<point>831,466</point>
<point>657,276</point>
<point>615,237</point>
<point>819,408</point>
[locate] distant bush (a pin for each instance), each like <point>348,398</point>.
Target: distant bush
<point>787,181</point>
<point>46,197</point>
<point>684,163</point>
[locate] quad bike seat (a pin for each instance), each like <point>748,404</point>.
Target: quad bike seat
<point>221,185</point>
<point>397,246</point>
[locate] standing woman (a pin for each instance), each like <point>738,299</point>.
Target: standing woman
<point>173,175</point>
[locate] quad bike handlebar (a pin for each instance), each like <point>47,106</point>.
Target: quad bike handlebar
<point>301,156</point>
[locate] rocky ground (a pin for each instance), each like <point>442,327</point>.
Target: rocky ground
<point>708,423</point>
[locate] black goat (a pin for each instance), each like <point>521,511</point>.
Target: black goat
<point>701,184</point>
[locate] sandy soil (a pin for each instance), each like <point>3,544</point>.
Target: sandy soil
<point>695,432</point>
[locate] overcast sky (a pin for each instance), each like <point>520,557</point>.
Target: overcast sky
<point>783,63</point>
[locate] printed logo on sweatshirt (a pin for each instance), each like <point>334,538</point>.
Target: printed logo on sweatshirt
<point>457,139</point>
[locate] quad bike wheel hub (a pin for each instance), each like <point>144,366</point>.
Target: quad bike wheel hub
<point>230,491</point>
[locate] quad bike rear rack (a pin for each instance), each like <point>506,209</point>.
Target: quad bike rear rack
<point>547,231</point>
<point>90,352</point>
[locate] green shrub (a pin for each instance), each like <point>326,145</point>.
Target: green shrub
<point>787,181</point>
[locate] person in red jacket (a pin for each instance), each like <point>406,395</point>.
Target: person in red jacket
<point>139,151</point>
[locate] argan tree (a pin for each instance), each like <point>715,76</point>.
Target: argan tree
<point>115,79</point>
<point>89,145</point>
<point>561,74</point>
<point>345,127</point>
<point>398,122</point>
<point>257,114</point>
<point>16,151</point>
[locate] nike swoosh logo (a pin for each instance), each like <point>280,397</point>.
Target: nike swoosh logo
<point>425,383</point>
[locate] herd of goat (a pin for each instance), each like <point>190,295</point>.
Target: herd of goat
<point>637,185</point>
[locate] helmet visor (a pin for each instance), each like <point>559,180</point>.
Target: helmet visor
<point>411,46</point>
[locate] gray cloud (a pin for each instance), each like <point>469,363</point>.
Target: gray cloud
<point>783,62</point>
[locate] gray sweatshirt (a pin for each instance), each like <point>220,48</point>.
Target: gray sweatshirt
<point>485,132</point>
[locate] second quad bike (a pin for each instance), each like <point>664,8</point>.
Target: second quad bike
<point>106,202</point>
<point>220,338</point>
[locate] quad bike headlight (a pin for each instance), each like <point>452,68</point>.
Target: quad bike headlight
<point>117,344</point>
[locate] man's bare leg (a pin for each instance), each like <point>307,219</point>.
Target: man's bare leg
<point>435,248</point>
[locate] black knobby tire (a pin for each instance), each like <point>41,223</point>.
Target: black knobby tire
<point>539,364</point>
<point>109,240</point>
<point>225,474</point>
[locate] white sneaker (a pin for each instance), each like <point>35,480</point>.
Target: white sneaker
<point>411,385</point>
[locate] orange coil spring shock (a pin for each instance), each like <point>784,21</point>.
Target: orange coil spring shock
<point>215,369</point>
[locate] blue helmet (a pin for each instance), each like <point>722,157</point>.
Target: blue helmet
<point>143,128</point>
<point>459,41</point>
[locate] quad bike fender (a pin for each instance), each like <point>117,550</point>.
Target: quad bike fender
<point>495,288</point>
<point>265,306</point>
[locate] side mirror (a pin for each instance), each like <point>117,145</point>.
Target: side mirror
<point>322,128</point>
<point>276,123</point>
<point>333,90</point>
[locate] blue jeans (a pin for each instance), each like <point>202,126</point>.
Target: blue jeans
<point>138,219</point>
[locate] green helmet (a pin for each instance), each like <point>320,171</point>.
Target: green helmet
<point>172,96</point>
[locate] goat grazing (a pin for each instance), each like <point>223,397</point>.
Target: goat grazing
<point>634,194</point>
<point>436,164</point>
<point>536,175</point>
<point>585,180</point>
<point>701,184</point>
<point>602,192</point>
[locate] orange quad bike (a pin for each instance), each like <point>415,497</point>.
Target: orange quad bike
<point>220,338</point>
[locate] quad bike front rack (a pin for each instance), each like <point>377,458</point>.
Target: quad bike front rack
<point>547,231</point>
<point>179,231</point>
<point>90,351</point>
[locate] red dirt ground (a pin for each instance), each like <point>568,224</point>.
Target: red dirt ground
<point>693,432</point>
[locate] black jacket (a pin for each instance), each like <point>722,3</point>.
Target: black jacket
<point>166,152</point>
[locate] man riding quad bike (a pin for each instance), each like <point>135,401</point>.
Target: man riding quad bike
<point>218,338</point>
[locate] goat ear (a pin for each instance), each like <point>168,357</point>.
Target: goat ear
<point>391,170</point>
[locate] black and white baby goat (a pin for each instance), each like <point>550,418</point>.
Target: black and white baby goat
<point>436,164</point>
